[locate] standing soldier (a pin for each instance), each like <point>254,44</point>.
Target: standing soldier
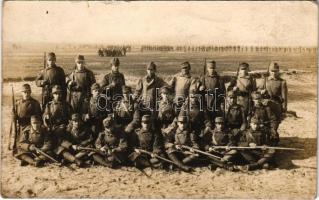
<point>166,112</point>
<point>26,107</point>
<point>112,82</point>
<point>57,113</point>
<point>125,108</point>
<point>34,136</point>
<point>243,86</point>
<point>256,158</point>
<point>213,88</point>
<point>148,139</point>
<point>275,88</point>
<point>146,90</point>
<point>79,84</point>
<point>50,76</point>
<point>92,111</point>
<point>235,117</point>
<point>174,140</point>
<point>112,143</point>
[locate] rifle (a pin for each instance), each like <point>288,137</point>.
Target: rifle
<point>156,156</point>
<point>258,147</point>
<point>15,125</point>
<point>99,151</point>
<point>46,155</point>
<point>44,66</point>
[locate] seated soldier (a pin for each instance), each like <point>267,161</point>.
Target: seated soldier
<point>112,144</point>
<point>34,137</point>
<point>148,139</point>
<point>256,158</point>
<point>78,135</point>
<point>174,140</point>
<point>220,136</point>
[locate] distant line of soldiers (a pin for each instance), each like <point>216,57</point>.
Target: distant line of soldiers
<point>172,125</point>
<point>111,52</point>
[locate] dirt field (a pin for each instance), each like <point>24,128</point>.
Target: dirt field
<point>294,179</point>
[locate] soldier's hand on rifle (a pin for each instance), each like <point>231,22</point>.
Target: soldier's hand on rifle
<point>235,88</point>
<point>75,147</point>
<point>252,144</point>
<point>191,150</point>
<point>103,149</point>
<point>137,151</point>
<point>210,149</point>
<point>227,148</point>
<point>46,117</point>
<point>178,147</point>
<point>202,88</point>
<point>263,91</point>
<point>153,155</point>
<point>86,117</point>
<point>32,147</point>
<point>264,148</point>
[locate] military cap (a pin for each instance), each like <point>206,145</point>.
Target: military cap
<point>126,89</point>
<point>95,86</point>
<point>211,64</point>
<point>231,94</point>
<point>244,66</point>
<point>182,119</point>
<point>56,89</point>
<point>164,90</point>
<point>75,117</point>
<point>25,87</point>
<point>146,118</point>
<point>256,95</point>
<point>115,62</point>
<point>254,120</point>
<point>185,65</point>
<point>36,118</point>
<point>79,58</point>
<point>108,121</point>
<point>51,56</point>
<point>219,120</point>
<point>273,67</point>
<point>151,66</point>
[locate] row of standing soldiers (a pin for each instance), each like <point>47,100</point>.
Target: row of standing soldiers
<point>160,124</point>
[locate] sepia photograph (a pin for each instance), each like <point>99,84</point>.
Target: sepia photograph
<point>159,99</point>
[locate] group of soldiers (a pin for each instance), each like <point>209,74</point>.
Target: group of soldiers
<point>114,51</point>
<point>180,124</point>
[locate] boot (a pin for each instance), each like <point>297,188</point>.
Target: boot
<point>180,164</point>
<point>99,159</point>
<point>29,160</point>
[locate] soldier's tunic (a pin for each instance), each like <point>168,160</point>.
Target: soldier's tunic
<point>113,139</point>
<point>277,93</point>
<point>214,93</point>
<point>181,85</point>
<point>166,113</point>
<point>256,158</point>
<point>146,89</point>
<point>245,87</point>
<point>235,119</point>
<point>40,138</point>
<point>113,91</point>
<point>124,112</point>
<point>81,88</point>
<point>59,113</point>
<point>25,109</point>
<point>93,107</point>
<point>51,76</point>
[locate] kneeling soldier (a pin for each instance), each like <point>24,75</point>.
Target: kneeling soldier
<point>112,145</point>
<point>257,158</point>
<point>34,138</point>
<point>174,142</point>
<point>147,139</point>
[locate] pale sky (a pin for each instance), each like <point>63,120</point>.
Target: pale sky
<point>243,23</point>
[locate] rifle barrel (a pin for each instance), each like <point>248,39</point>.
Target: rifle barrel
<point>46,155</point>
<point>201,152</point>
<point>259,147</point>
<point>157,156</point>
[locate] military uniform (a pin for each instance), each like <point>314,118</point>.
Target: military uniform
<point>166,112</point>
<point>114,142</point>
<point>256,158</point>
<point>149,140</point>
<point>49,77</point>
<point>25,108</point>
<point>213,89</point>
<point>57,114</point>
<point>92,113</point>
<point>181,137</point>
<point>79,85</point>
<point>245,85</point>
<point>31,138</point>
<point>113,82</point>
<point>125,108</point>
<point>146,90</point>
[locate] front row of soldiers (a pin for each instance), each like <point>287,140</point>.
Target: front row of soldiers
<point>181,144</point>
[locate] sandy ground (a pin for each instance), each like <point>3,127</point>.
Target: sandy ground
<point>294,179</point>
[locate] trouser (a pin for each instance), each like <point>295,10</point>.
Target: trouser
<point>256,158</point>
